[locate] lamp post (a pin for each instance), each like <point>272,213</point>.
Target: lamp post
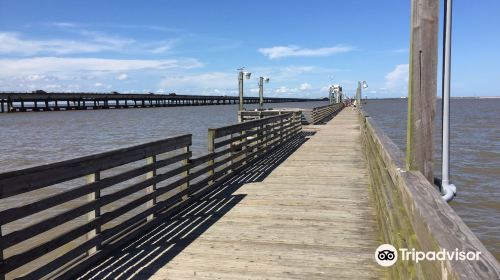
<point>332,94</point>
<point>261,91</point>
<point>358,91</point>
<point>246,75</point>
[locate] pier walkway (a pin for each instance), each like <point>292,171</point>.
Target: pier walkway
<point>311,218</point>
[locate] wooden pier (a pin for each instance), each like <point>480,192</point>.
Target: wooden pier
<point>270,200</point>
<point>315,115</point>
<point>23,102</point>
<point>311,218</point>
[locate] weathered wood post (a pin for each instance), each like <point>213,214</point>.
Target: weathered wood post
<point>2,274</point>
<point>185,174</point>
<point>211,150</point>
<point>422,86</point>
<point>92,178</point>
<point>151,203</point>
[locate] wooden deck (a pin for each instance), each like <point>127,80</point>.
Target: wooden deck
<point>311,218</point>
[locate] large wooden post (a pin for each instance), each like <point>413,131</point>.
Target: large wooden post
<point>422,86</point>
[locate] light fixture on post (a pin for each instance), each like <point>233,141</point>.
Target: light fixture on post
<point>361,84</point>
<point>246,75</point>
<point>331,95</point>
<point>261,91</point>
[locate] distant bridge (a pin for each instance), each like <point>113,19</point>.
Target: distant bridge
<point>41,101</point>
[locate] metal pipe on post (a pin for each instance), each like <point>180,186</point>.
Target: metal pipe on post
<point>422,86</point>
<point>448,190</point>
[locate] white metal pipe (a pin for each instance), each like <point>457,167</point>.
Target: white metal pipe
<point>448,190</point>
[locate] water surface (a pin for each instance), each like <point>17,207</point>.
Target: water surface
<point>474,154</point>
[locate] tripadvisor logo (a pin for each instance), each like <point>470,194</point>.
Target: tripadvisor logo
<point>387,255</point>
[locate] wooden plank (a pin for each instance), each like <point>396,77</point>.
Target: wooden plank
<point>288,236</point>
<point>224,131</point>
<point>422,86</point>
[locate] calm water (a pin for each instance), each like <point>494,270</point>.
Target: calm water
<point>34,138</point>
<point>30,139</point>
<point>474,152</point>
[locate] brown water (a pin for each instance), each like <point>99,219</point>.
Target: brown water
<point>474,153</point>
<point>35,138</point>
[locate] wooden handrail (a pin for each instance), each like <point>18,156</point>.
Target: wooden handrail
<point>186,177</point>
<point>417,216</point>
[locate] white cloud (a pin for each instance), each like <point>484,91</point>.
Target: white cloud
<point>98,84</point>
<point>12,43</point>
<point>63,66</point>
<point>35,77</point>
<point>122,77</point>
<point>305,87</point>
<point>397,79</point>
<point>212,80</point>
<point>83,41</point>
<point>287,51</point>
<point>287,90</point>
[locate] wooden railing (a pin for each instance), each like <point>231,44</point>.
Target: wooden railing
<point>320,114</point>
<point>245,116</point>
<point>412,214</point>
<point>98,203</point>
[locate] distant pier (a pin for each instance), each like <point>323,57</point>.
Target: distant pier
<point>41,101</point>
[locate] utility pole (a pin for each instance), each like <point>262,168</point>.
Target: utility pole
<point>261,93</point>
<point>422,86</point>
<point>242,74</point>
<point>240,86</point>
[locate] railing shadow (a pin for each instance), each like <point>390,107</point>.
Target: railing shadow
<point>154,249</point>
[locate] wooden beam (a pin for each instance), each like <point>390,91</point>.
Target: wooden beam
<point>422,87</point>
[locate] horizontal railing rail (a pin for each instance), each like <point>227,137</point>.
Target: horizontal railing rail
<point>97,203</point>
<point>320,114</point>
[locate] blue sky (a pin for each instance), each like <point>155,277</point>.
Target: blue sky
<point>195,47</point>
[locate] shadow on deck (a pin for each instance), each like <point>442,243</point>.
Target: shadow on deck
<point>147,254</point>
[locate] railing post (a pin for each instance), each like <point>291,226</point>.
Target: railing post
<point>211,149</point>
<point>92,178</point>
<point>151,160</point>
<point>185,174</point>
<point>2,274</point>
<point>244,146</point>
<point>281,129</point>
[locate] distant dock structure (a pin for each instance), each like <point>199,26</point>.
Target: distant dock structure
<point>43,101</point>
